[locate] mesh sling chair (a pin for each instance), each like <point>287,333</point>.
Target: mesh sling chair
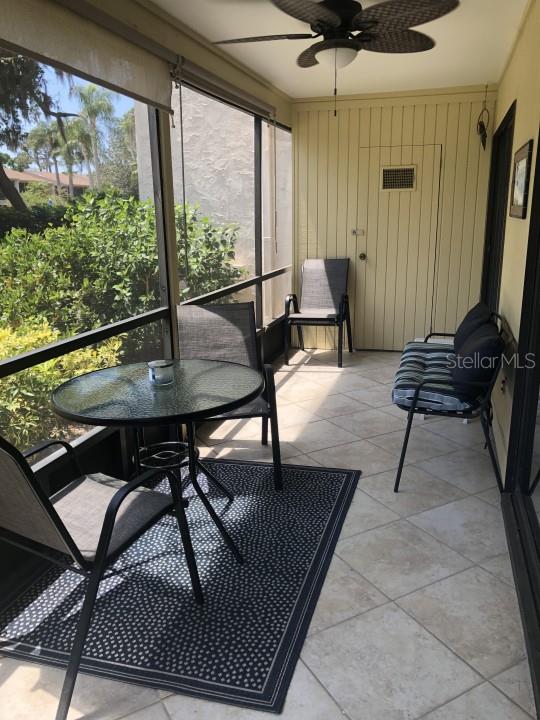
<point>228,332</point>
<point>324,302</point>
<point>82,528</point>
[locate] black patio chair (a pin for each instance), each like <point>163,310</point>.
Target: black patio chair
<point>324,302</point>
<point>452,381</point>
<point>82,528</point>
<point>228,332</point>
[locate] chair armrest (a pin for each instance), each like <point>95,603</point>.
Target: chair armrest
<point>439,334</point>
<point>288,300</point>
<point>49,443</point>
<point>112,510</point>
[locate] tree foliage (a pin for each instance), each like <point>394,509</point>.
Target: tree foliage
<point>37,217</point>
<point>23,96</point>
<point>119,169</point>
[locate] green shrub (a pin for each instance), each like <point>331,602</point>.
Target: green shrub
<point>211,253</point>
<point>26,416</point>
<point>102,265</point>
<point>35,220</point>
<point>99,266</point>
<point>43,194</point>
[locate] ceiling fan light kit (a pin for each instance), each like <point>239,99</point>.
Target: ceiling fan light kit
<point>338,57</point>
<point>346,28</point>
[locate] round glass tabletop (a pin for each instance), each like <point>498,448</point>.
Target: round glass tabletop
<point>124,395</point>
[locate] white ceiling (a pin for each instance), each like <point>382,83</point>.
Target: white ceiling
<point>473,43</point>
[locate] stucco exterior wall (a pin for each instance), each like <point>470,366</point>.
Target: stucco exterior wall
<point>219,163</point>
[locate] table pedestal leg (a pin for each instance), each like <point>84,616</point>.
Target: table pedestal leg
<point>213,479</point>
<point>193,476</point>
<point>186,537</point>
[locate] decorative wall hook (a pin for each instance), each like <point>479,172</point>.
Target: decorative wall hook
<point>483,122</point>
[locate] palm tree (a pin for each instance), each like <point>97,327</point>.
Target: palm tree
<point>78,134</point>
<point>74,147</point>
<point>38,143</point>
<point>96,106</point>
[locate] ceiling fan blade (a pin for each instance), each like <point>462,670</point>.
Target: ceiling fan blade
<point>397,41</point>
<point>308,57</point>
<point>403,13</point>
<point>310,12</point>
<point>264,38</point>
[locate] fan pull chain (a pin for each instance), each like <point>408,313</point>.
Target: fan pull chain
<point>335,82</point>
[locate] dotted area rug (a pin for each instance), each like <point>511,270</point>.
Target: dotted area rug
<point>242,645</point>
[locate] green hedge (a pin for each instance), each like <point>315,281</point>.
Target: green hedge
<point>99,266</point>
<point>26,416</point>
<point>35,220</point>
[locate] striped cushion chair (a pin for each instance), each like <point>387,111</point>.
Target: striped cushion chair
<point>431,369</point>
<point>450,381</point>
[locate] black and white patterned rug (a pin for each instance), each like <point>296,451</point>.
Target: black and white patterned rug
<point>241,647</point>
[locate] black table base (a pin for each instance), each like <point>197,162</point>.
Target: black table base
<point>171,457</point>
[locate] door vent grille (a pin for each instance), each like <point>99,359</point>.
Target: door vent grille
<point>398,178</point>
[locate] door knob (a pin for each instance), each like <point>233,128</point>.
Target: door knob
<point>363,257</point>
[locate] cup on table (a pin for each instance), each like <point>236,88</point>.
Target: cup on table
<point>161,372</point>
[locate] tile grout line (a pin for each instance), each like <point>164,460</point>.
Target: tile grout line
<point>442,542</point>
<point>140,709</point>
<point>442,705</point>
<point>323,686</point>
<point>514,702</point>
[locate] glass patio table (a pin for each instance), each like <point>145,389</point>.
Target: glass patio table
<point>124,396</point>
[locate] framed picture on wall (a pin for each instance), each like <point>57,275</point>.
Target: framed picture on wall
<point>520,181</point>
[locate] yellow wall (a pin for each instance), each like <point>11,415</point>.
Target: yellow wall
<point>521,82</point>
<point>330,198</point>
<point>161,27</point>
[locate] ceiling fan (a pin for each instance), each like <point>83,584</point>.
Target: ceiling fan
<point>346,28</point>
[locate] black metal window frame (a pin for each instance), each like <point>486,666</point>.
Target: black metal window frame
<point>164,312</point>
<point>520,518</point>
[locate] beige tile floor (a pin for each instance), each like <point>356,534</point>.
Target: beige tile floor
<point>418,615</point>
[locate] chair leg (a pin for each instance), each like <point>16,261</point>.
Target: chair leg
<point>410,419</point>
<point>276,450</point>
<point>286,341</point>
<point>264,437</point>
<point>300,336</point>
<point>186,538</point>
<point>486,428</point>
<point>349,331</point>
<point>340,343</point>
<point>78,644</point>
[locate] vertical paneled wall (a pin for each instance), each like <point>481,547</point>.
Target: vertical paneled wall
<point>424,247</point>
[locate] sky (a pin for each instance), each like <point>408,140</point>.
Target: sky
<point>59,91</point>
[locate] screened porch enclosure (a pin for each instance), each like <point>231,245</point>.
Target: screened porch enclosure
<point>233,315</point>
